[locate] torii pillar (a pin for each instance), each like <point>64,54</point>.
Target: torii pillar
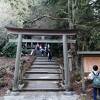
<point>66,65</point>
<point>17,63</point>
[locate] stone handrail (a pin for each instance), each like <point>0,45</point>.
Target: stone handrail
<point>60,64</point>
<point>25,64</point>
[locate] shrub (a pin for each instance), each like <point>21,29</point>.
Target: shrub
<point>2,72</point>
<point>2,83</point>
<point>77,76</point>
<point>56,50</point>
<point>26,51</point>
<point>2,44</point>
<point>9,50</point>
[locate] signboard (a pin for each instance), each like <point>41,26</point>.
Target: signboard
<point>88,63</point>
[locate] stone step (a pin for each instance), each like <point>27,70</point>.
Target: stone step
<point>39,67</point>
<point>46,66</point>
<point>42,85</point>
<point>31,90</point>
<point>43,60</point>
<point>30,72</point>
<point>39,95</point>
<point>43,71</point>
<point>44,63</point>
<point>44,57</point>
<point>42,76</point>
<point>47,79</point>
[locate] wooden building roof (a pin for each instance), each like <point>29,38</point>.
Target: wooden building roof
<point>29,31</point>
<point>89,53</point>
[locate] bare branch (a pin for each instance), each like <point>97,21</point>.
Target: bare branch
<point>55,18</point>
<point>48,16</point>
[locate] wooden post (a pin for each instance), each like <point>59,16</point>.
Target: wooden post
<point>66,67</point>
<point>26,45</point>
<point>42,37</point>
<point>82,73</point>
<point>17,63</point>
<point>70,62</point>
<point>31,45</point>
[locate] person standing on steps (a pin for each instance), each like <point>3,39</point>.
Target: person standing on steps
<point>49,55</point>
<point>95,77</point>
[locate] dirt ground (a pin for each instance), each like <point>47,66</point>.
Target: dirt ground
<point>9,65</point>
<point>6,62</point>
<point>77,86</point>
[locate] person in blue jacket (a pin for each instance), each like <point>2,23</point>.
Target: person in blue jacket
<point>96,90</point>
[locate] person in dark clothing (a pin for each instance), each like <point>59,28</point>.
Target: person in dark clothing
<point>49,55</point>
<point>42,52</point>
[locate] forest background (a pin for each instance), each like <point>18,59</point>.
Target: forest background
<point>83,15</point>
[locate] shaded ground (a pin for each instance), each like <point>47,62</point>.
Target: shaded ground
<point>4,61</point>
<point>78,88</point>
<point>7,63</point>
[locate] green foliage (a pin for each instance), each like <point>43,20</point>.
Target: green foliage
<point>14,12</point>
<point>2,45</point>
<point>9,50</point>
<point>95,41</point>
<point>51,2</point>
<point>56,50</point>
<point>26,51</point>
<point>78,78</point>
<point>2,83</point>
<point>83,14</point>
<point>3,38</point>
<point>88,22</point>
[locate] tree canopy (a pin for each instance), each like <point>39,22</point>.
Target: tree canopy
<point>83,15</point>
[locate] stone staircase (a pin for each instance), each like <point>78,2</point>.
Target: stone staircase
<point>43,76</point>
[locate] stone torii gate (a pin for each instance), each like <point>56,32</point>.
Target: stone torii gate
<point>42,32</point>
